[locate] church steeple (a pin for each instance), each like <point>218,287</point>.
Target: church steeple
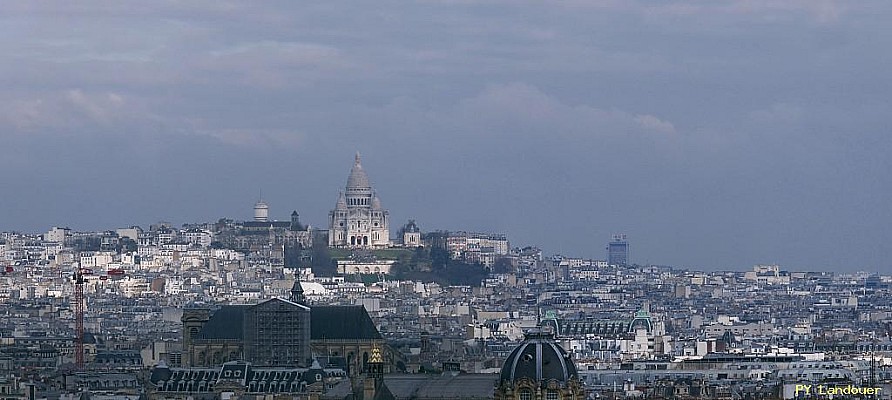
<point>375,364</point>
<point>374,381</point>
<point>297,293</point>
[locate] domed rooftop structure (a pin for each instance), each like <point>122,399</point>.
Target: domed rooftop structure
<point>539,364</point>
<point>539,359</point>
<point>411,227</point>
<point>358,219</point>
<point>358,178</point>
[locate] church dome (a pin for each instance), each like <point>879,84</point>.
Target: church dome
<point>376,203</point>
<point>411,227</point>
<point>540,359</point>
<point>358,178</point>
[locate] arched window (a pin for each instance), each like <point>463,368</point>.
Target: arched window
<point>525,394</point>
<point>552,395</point>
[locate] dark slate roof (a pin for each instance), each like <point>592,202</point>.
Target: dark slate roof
<point>540,359</point>
<point>465,386</point>
<point>226,323</point>
<point>327,322</point>
<point>117,356</point>
<point>160,373</point>
<point>342,322</point>
<point>89,338</point>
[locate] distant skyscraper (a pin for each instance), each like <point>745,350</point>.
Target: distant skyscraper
<point>618,250</point>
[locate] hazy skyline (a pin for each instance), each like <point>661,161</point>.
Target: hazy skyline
<point>715,134</point>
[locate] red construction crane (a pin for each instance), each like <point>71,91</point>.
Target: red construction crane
<point>79,318</point>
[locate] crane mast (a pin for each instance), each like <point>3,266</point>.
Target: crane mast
<point>79,318</point>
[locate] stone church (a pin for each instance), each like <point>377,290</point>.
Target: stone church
<point>358,220</point>
<point>537,369</point>
<point>280,332</point>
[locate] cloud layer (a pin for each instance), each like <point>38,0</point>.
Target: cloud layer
<point>716,134</point>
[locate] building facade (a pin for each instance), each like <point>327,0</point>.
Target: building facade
<point>618,250</point>
<point>279,332</point>
<point>358,220</point>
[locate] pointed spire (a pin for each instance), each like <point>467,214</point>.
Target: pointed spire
<point>297,293</point>
<point>376,202</point>
<point>342,201</point>
<point>358,178</point>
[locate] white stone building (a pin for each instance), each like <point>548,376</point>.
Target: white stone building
<point>358,219</point>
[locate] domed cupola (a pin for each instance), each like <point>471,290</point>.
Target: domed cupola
<point>539,367</point>
<point>358,178</point>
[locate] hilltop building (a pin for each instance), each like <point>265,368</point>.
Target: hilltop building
<point>358,220</point>
<point>410,235</point>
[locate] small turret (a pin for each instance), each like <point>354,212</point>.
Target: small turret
<point>297,293</point>
<point>342,202</point>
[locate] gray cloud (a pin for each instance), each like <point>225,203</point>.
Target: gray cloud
<point>717,134</point>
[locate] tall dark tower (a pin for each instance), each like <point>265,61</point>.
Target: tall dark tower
<point>193,320</point>
<point>618,250</point>
<point>295,221</point>
<point>375,373</point>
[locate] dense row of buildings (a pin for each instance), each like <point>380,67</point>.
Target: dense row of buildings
<point>239,309</point>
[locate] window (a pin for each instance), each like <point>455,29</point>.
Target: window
<point>552,395</point>
<point>526,394</point>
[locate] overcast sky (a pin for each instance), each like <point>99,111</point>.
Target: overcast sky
<point>715,134</point>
